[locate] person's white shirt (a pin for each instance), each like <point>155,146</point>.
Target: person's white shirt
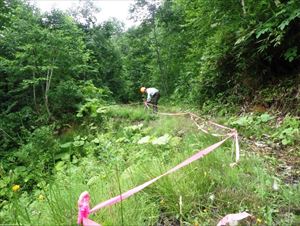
<point>150,93</point>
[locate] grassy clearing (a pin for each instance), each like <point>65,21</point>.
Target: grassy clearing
<point>116,160</point>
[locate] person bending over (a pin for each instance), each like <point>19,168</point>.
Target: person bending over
<point>153,96</point>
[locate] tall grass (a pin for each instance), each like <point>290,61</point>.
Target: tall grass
<point>200,193</point>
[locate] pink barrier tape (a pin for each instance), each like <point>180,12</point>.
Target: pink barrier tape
<point>195,116</point>
<point>88,222</point>
<point>205,131</point>
<point>192,115</point>
<point>184,113</point>
<point>83,202</point>
<point>198,126</point>
<point>237,147</point>
<point>129,193</point>
<point>223,127</point>
<point>232,131</point>
<point>213,123</point>
<point>231,219</point>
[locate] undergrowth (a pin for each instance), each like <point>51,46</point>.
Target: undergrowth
<point>135,146</point>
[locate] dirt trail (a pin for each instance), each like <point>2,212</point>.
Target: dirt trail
<point>288,159</point>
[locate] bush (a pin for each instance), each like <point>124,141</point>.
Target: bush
<point>65,99</point>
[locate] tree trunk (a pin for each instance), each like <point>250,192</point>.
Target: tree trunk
<point>159,62</point>
<point>48,80</point>
<point>34,93</point>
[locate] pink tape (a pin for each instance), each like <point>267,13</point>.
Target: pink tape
<point>231,218</point>
<point>83,202</point>
<point>237,147</point>
<point>223,127</point>
<point>88,222</point>
<point>197,117</point>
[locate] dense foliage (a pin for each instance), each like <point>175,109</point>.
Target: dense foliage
<point>204,50</point>
<point>61,73</point>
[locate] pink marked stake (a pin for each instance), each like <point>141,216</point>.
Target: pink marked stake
<point>84,210</point>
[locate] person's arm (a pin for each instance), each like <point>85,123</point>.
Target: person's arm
<point>148,97</point>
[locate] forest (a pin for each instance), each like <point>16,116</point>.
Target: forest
<point>73,119</point>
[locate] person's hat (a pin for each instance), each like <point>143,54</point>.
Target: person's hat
<point>143,89</point>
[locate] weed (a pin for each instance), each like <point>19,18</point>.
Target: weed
<point>109,162</point>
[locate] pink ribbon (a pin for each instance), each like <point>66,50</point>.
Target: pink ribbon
<point>83,202</point>
<point>231,218</point>
<point>237,146</point>
<point>232,131</point>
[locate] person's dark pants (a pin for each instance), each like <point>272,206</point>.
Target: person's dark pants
<point>154,101</point>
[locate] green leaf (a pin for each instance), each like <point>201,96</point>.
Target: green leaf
<point>101,110</point>
<point>66,145</point>
<point>263,31</point>
<point>265,117</point>
<point>144,140</point>
<point>162,140</point>
<point>78,143</point>
<point>175,141</point>
<point>60,166</point>
<point>291,54</point>
<point>93,180</point>
<point>286,141</point>
<point>4,182</point>
<point>243,121</point>
<point>96,141</point>
<point>62,156</point>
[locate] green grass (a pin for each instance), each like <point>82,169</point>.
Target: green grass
<point>129,113</point>
<point>209,188</point>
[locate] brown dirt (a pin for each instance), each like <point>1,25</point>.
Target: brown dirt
<point>287,158</point>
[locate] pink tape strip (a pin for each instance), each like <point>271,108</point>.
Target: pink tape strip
<point>223,127</point>
<point>88,222</point>
<point>237,147</point>
<point>83,202</point>
<point>231,218</point>
<point>188,113</point>
<point>197,117</point>
<point>129,193</point>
